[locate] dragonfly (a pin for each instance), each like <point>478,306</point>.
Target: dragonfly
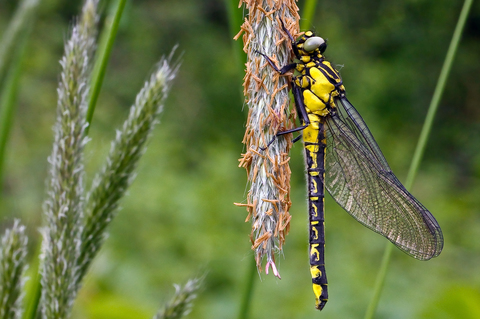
<point>343,157</point>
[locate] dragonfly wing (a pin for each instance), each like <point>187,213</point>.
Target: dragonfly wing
<point>360,180</point>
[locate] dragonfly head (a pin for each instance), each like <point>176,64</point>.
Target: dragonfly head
<point>310,43</point>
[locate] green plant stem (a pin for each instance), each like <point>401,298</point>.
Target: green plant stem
<point>34,290</point>
<point>8,101</point>
<point>437,95</point>
<point>234,20</point>
<point>235,16</point>
<point>12,52</point>
<point>102,60</point>
<point>18,25</point>
<point>379,281</point>
<point>248,291</point>
<point>422,141</point>
<point>307,15</point>
<point>19,34</point>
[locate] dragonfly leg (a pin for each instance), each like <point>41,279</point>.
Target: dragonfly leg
<point>294,44</point>
<point>296,139</point>
<point>283,70</point>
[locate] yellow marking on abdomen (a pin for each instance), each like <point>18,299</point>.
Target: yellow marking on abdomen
<point>316,273</point>
<point>314,251</point>
<point>315,189</point>
<point>315,209</point>
<point>314,223</point>
<point>317,289</point>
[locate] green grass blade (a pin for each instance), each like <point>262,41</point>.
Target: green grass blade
<point>8,101</point>
<point>33,286</point>
<point>248,291</point>
<point>437,95</point>
<point>235,16</point>
<point>102,60</point>
<point>18,25</point>
<point>307,14</point>
<point>12,50</point>
<point>379,281</point>
<point>422,141</point>
<point>235,19</point>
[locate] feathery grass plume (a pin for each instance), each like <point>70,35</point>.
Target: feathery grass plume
<point>182,302</point>
<point>65,203</point>
<point>13,251</point>
<point>17,26</point>
<point>268,200</point>
<point>117,174</point>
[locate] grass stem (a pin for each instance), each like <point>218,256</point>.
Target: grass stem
<point>307,14</point>
<point>420,149</point>
<point>248,291</point>
<point>102,60</point>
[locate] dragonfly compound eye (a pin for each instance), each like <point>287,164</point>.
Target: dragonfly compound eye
<point>313,43</point>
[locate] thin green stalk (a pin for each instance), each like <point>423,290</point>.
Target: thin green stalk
<point>437,95</point>
<point>33,287</point>
<point>379,281</point>
<point>235,16</point>
<point>248,291</point>
<point>102,61</point>
<point>19,24</point>
<point>422,141</point>
<point>307,14</point>
<point>12,48</point>
<point>8,99</point>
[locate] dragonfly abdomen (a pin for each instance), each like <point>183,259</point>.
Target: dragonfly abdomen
<point>314,156</point>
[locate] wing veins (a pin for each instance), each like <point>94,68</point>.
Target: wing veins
<point>363,184</point>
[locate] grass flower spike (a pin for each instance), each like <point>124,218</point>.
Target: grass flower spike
<point>182,301</point>
<point>64,204</point>
<point>75,219</point>
<point>13,251</point>
<point>267,165</point>
<point>112,182</point>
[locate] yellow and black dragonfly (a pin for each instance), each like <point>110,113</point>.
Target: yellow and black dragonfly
<point>343,157</point>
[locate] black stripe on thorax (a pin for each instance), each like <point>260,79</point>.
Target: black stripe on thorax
<point>321,144</point>
<point>329,70</point>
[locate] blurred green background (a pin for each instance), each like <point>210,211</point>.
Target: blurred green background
<point>179,220</point>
